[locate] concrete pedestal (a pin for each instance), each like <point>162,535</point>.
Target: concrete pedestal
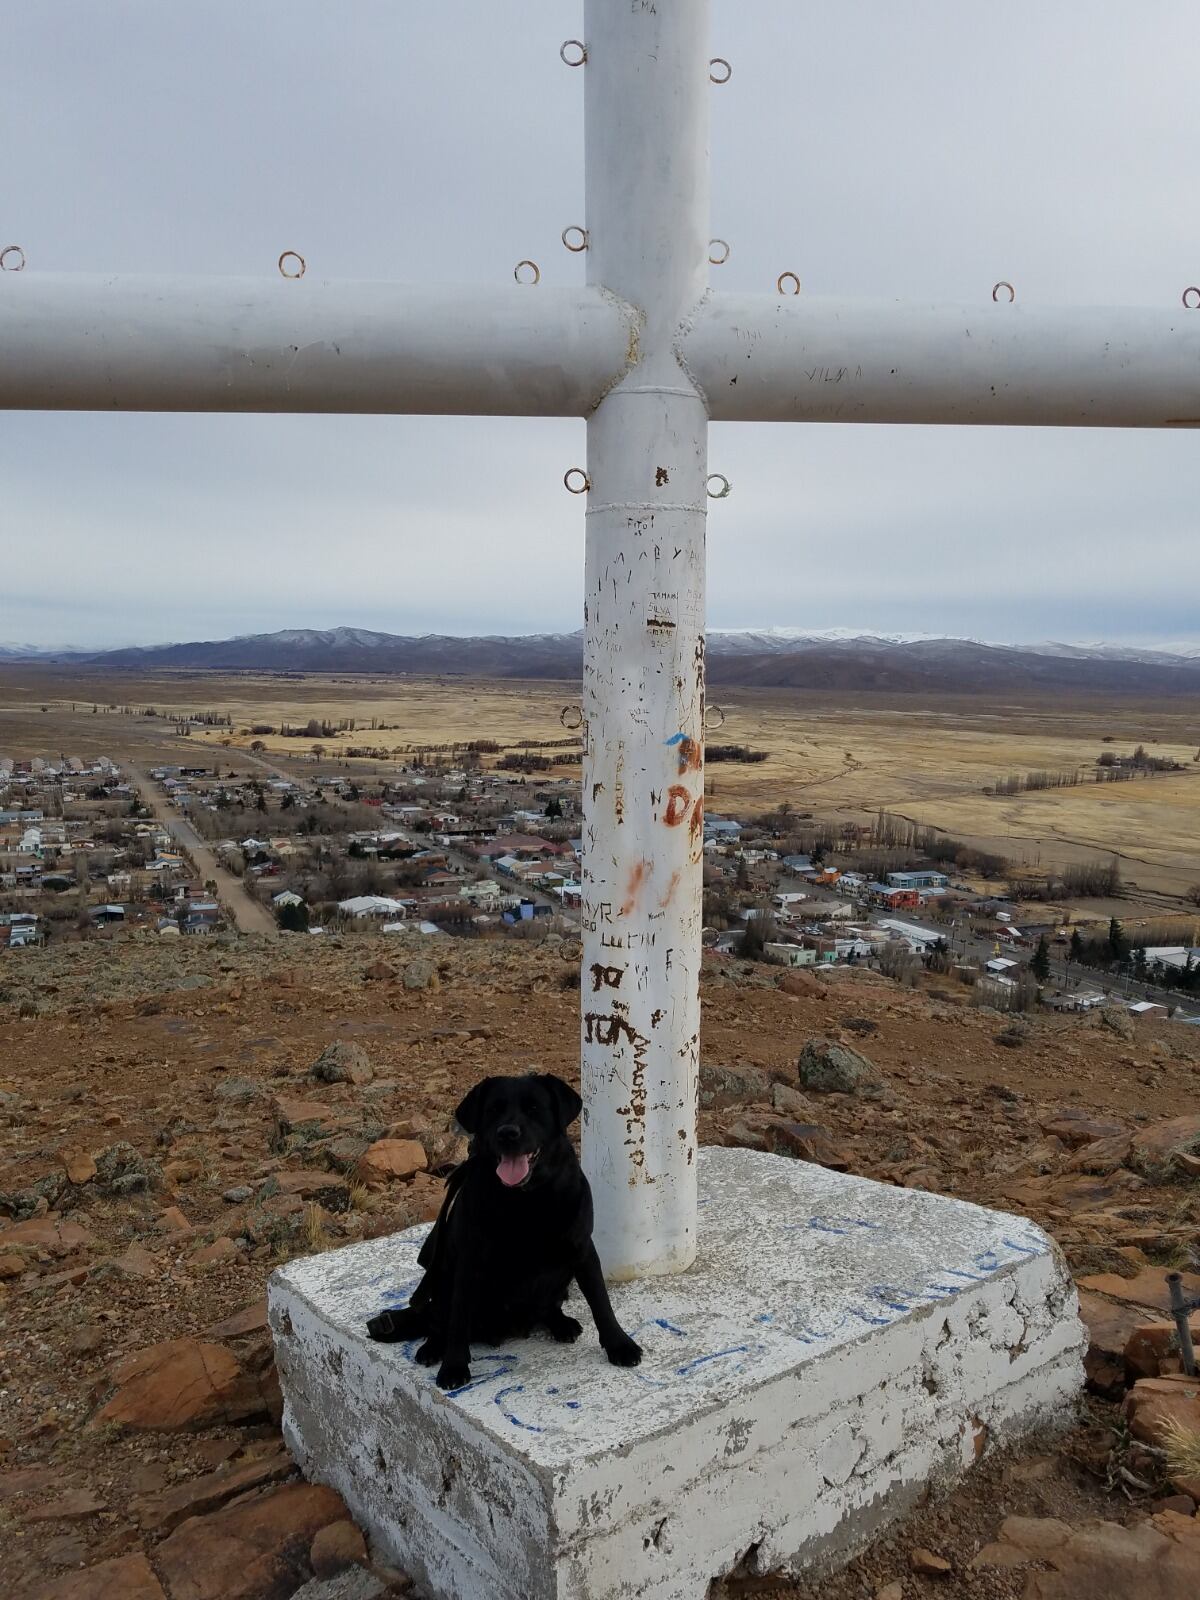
<point>838,1345</point>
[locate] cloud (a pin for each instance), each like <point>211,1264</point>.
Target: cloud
<point>923,156</point>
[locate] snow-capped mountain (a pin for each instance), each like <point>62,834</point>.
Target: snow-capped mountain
<point>776,658</point>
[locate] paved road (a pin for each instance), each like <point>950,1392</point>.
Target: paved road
<point>248,916</point>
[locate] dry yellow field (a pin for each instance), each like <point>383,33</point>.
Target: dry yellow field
<point>836,756</point>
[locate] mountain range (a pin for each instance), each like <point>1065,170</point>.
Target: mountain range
<point>774,658</point>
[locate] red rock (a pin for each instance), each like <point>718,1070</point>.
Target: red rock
<point>1105,1561</point>
<point>1148,1288</point>
<point>1110,1327</point>
<point>807,1141</point>
<point>12,1266</point>
<point>1151,1343</point>
<point>391,1158</point>
<point>78,1166</point>
<point>1182,1504</point>
<point>45,1233</point>
<point>257,1549</point>
<point>1156,1149</point>
<point>22,1481</point>
<point>337,1546</point>
<point>1102,1156</point>
<point>308,1118</point>
<point>160,1513</point>
<point>181,1384</point>
<point>219,1250</point>
<point>182,1171</point>
<point>1076,1128</point>
<point>253,1319</point>
<point>172,1220</point>
<point>134,1263</point>
<point>75,1503</point>
<point>1023,1539</point>
<point>928,1564</point>
<point>128,1578</point>
<point>1153,1401</point>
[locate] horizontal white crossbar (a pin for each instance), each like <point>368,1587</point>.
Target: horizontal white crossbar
<point>779,358</point>
<point>87,343</point>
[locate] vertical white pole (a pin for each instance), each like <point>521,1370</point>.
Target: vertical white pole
<point>647,217</point>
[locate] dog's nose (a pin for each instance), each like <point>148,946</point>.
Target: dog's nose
<point>508,1133</point>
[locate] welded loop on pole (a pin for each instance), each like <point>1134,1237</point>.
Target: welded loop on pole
<point>577,49</point>
<point>723,486</point>
<point>1004,284</point>
<point>714,718</point>
<point>533,268</point>
<point>576,480</point>
<point>292,255</point>
<point>1191,304</point>
<point>12,250</point>
<point>785,278</point>
<point>575,238</point>
<point>571,718</point>
<point>718,252</point>
<point>719,70</point>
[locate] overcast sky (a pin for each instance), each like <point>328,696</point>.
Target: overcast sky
<point>917,148</point>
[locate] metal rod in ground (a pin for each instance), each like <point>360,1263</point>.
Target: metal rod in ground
<point>1180,1310</point>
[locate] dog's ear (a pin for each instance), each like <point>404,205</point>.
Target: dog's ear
<point>470,1109</point>
<point>566,1102</point>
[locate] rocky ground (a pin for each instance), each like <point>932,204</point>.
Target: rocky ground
<point>174,1123</point>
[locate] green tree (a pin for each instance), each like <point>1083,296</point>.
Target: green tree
<point>554,807</point>
<point>292,918</point>
<point>1118,944</point>
<point>1039,963</point>
<point>1076,945</point>
<point>743,874</point>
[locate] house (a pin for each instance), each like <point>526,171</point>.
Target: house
<point>798,864</point>
<point>1141,1007</point>
<point>999,966</point>
<point>918,939</point>
<point>287,897</point>
<point>108,913</point>
<point>883,894</point>
<point>373,905</point>
<point>918,880</point>
<point>791,955</point>
<point>722,830</point>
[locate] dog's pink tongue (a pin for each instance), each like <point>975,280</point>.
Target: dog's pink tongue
<point>513,1170</point>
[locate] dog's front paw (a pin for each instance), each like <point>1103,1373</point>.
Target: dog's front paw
<point>624,1352</point>
<point>565,1330</point>
<point>429,1354</point>
<point>386,1328</point>
<point>453,1375</point>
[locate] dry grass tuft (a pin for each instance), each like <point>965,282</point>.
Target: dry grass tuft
<point>1182,1446</point>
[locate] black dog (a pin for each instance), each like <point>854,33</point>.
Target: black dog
<point>514,1229</point>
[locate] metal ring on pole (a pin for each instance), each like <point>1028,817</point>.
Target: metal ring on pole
<point>292,255</point>
<point>537,272</point>
<point>719,61</point>
<point>787,277</point>
<point>721,492</point>
<point>1004,284</point>
<point>1192,305</point>
<point>576,480</point>
<point>12,250</point>
<point>571,717</point>
<point>710,712</point>
<point>578,239</point>
<point>714,259</point>
<point>575,45</point>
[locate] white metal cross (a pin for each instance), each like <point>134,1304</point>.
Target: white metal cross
<point>648,355</point>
